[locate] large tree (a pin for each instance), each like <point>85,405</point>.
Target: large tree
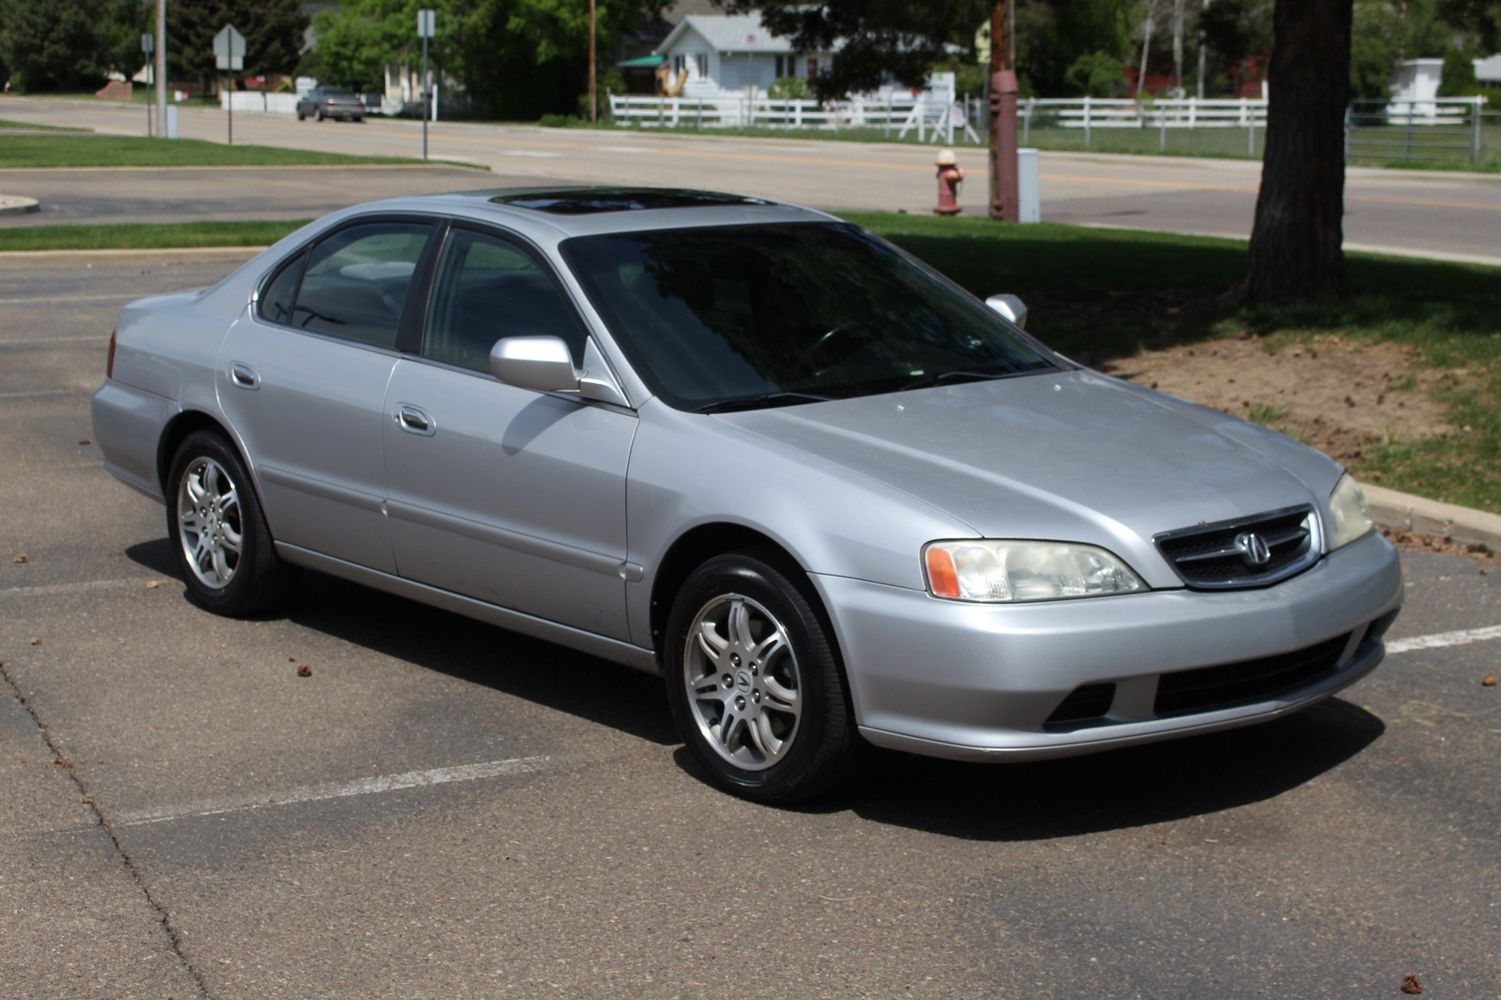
<point>273,31</point>
<point>61,44</point>
<point>515,58</point>
<point>1295,250</point>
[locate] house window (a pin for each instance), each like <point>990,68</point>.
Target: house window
<point>702,59</point>
<point>781,66</point>
<point>678,62</point>
<point>812,67</point>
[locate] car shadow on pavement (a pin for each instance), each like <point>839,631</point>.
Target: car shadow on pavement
<point>575,683</point>
<point>1113,790</point>
<point>584,686</point>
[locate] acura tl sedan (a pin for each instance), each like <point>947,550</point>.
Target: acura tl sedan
<point>831,497</point>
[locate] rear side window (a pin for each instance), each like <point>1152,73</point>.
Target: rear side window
<point>354,284</point>
<point>488,289</point>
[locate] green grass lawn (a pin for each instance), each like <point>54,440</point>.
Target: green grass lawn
<point>6,123</point>
<point>129,151</point>
<point>1101,295</point>
<point>145,236</point>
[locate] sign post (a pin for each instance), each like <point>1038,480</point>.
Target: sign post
<point>229,54</point>
<point>148,44</point>
<point>426,19</point>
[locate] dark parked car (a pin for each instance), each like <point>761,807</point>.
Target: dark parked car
<point>330,102</point>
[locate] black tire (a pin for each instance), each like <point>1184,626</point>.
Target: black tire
<point>820,748</point>
<point>301,117</point>
<point>255,578</point>
<point>320,116</point>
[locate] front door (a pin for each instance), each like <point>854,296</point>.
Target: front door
<point>509,496</point>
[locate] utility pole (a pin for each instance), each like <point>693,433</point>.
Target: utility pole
<point>1200,88</point>
<point>593,101</point>
<point>1005,203</point>
<point>161,66</point>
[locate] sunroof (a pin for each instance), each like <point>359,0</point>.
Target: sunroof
<point>590,201</point>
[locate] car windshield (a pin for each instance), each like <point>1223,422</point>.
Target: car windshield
<point>748,316</point>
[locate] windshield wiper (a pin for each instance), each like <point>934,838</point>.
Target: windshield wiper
<point>944,378</point>
<point>760,402</point>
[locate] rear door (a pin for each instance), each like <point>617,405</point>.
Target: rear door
<point>513,497</point>
<point>302,377</point>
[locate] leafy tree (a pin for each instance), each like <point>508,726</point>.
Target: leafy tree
<point>515,58</point>
<point>273,31</point>
<point>1053,36</point>
<point>1097,74</point>
<point>55,44</point>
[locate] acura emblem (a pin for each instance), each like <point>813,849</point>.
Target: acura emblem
<point>1253,548</point>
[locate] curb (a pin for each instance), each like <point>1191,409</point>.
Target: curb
<point>15,204</point>
<point>1405,512</point>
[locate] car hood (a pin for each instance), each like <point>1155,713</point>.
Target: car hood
<point>1069,455</point>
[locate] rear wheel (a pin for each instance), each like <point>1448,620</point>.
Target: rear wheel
<point>214,519</point>
<point>755,683</point>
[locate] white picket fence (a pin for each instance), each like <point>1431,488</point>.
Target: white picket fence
<point>1105,112</point>
<point>255,100</point>
<point>756,110</point>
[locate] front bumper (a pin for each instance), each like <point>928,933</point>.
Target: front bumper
<point>973,681</point>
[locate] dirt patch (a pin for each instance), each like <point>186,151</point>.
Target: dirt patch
<point>1338,395</point>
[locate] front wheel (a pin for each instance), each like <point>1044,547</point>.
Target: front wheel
<point>754,681</point>
<point>214,519</point>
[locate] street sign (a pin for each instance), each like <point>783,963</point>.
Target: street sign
<point>148,44</point>
<point>426,21</point>
<point>229,49</point>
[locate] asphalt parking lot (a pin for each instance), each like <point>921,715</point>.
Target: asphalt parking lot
<point>443,809</point>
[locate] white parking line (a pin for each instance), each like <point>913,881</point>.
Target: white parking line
<point>1441,639</point>
<point>38,393</point>
<point>318,793</point>
<point>97,338</point>
<point>47,590</point>
<point>64,298</point>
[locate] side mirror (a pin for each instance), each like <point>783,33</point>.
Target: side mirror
<point>1010,307</point>
<point>541,364</point>
<point>544,364</point>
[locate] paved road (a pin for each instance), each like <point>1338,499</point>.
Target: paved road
<point>444,809</point>
<point>1431,214</point>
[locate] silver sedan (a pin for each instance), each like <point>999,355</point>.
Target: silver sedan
<point>831,497</point>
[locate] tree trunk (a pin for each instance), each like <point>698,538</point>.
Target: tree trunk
<point>1295,243</point>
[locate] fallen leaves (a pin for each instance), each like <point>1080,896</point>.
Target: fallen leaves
<point>304,671</point>
<point>1489,681</point>
<point>153,584</point>
<point>1410,985</point>
<point>35,641</point>
<point>84,442</point>
<point>22,558</point>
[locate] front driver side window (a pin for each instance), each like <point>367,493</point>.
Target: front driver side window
<point>488,289</point>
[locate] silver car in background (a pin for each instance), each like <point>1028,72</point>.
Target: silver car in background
<point>832,497</point>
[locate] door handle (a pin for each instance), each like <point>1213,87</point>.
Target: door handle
<point>243,376</point>
<point>415,421</point>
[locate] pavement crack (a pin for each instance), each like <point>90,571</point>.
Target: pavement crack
<point>174,937</point>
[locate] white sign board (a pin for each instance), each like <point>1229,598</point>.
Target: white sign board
<point>425,23</point>
<point>229,49</point>
<point>148,44</point>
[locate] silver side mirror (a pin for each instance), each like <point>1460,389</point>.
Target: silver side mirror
<point>541,364</point>
<point>544,364</point>
<point>1010,307</point>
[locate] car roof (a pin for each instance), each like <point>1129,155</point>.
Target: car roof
<point>586,211</point>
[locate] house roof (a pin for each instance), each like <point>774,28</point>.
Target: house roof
<point>730,33</point>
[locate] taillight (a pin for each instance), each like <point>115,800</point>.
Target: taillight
<point>109,364</point>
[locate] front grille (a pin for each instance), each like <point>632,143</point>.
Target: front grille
<point>1084,705</point>
<point>1222,556</point>
<point>1247,682</point>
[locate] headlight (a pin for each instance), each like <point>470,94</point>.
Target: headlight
<point>994,571</point>
<point>1349,517</point>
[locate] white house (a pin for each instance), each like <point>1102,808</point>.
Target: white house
<point>731,53</point>
<point>1488,71</point>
